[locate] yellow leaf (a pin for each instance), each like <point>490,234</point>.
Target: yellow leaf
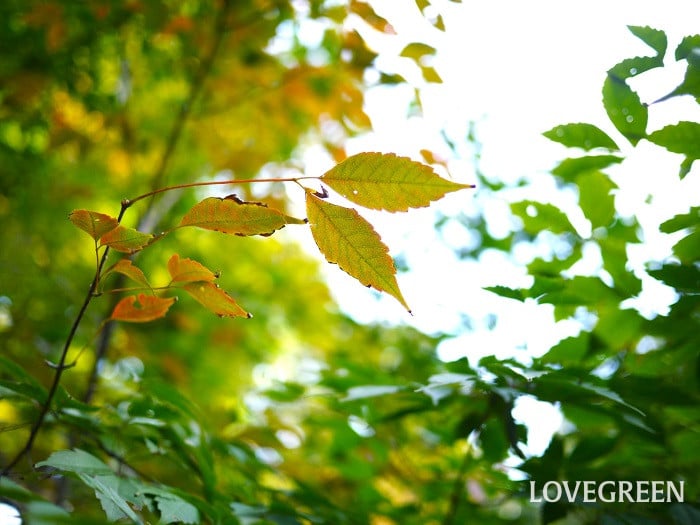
<point>215,299</point>
<point>127,240</point>
<point>126,267</point>
<point>95,224</point>
<point>189,271</point>
<point>387,182</point>
<point>417,50</point>
<point>347,239</point>
<point>232,215</point>
<point>142,308</point>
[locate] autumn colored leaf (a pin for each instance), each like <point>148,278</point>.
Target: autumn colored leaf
<point>232,215</point>
<point>126,240</point>
<point>387,182</point>
<point>215,299</point>
<point>347,239</point>
<point>94,223</point>
<point>127,268</point>
<point>142,308</point>
<point>189,271</point>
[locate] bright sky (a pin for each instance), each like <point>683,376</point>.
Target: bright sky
<point>516,69</point>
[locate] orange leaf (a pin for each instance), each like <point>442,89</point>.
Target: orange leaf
<point>127,240</point>
<point>347,239</point>
<point>126,267</point>
<point>232,215</point>
<point>189,271</point>
<point>387,182</point>
<point>142,308</point>
<point>215,299</point>
<point>95,224</point>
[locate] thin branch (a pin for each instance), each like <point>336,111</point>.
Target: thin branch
<point>60,367</point>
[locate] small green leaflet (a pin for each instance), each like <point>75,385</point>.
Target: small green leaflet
<point>581,135</point>
<point>386,182</point>
<point>345,238</point>
<point>126,240</point>
<point>234,216</point>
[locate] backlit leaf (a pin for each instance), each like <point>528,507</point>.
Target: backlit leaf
<point>654,38</point>
<point>417,50</point>
<point>624,108</point>
<point>345,238</point>
<point>683,137</point>
<point>568,169</point>
<point>387,182</point>
<point>95,224</point>
<point>595,198</point>
<point>232,215</point>
<point>188,271</point>
<point>215,299</point>
<point>142,308</point>
<point>126,240</point>
<point>581,135</point>
<point>127,268</point>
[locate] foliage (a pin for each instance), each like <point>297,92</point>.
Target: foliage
<point>298,414</point>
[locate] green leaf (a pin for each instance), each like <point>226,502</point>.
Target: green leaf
<point>387,182</point>
<point>595,198</point>
<point>215,299</point>
<point>345,238</point>
<point>509,293</point>
<point>172,508</point>
<point>568,169</point>
<point>684,278</point>
<point>109,490</point>
<point>126,240</point>
<point>688,248</point>
<point>686,47</point>
<point>94,223</point>
<point>654,38</point>
<point>77,461</point>
<point>624,108</point>
<point>537,217</point>
<point>683,137</point>
<point>234,216</point>
<point>581,135</point>
<point>682,221</point>
<point>570,350</point>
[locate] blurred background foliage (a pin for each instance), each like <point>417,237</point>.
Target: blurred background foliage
<point>299,415</point>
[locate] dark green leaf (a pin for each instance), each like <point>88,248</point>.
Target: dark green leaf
<point>654,38</point>
<point>509,293</point>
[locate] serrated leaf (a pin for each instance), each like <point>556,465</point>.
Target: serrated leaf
<point>345,238</point>
<point>387,182</point>
<point>215,299</point>
<point>77,461</point>
<point>189,271</point>
<point>581,135</point>
<point>109,490</point>
<point>654,38</point>
<point>94,223</point>
<point>127,268</point>
<point>142,308</point>
<point>172,508</point>
<point>625,109</point>
<point>507,292</point>
<point>683,137</point>
<point>126,240</point>
<point>234,216</point>
<point>568,169</point>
